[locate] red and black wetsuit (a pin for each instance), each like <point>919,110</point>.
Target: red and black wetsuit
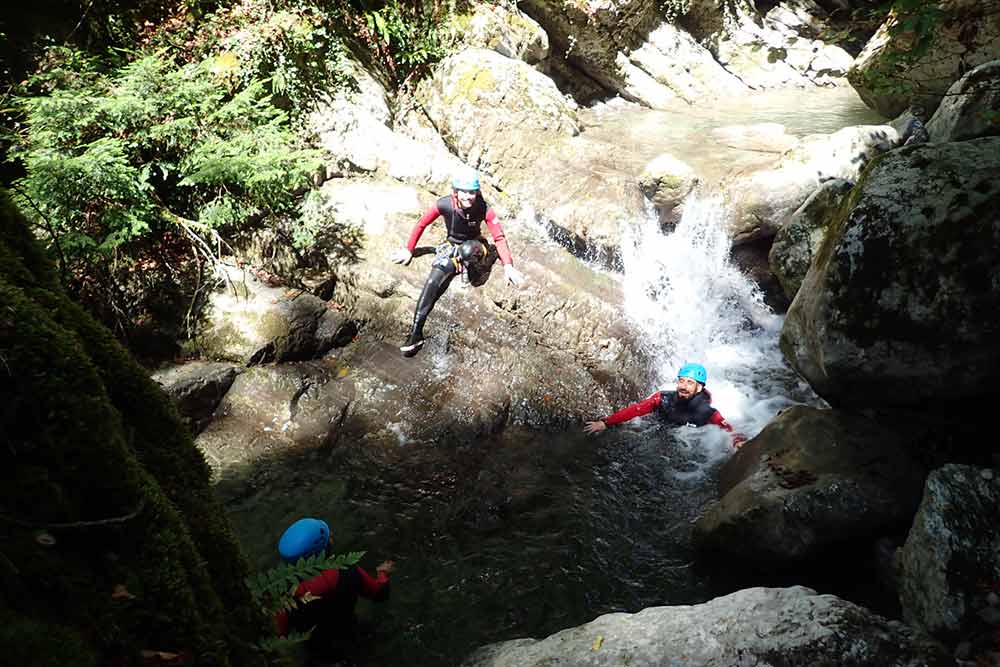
<point>697,410</point>
<point>332,615</point>
<point>462,224</point>
<point>463,227</point>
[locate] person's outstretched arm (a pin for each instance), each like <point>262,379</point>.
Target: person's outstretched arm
<point>631,412</point>
<point>404,255</point>
<point>718,420</point>
<point>514,277</point>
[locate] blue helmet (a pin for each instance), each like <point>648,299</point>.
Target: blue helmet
<point>467,179</point>
<point>696,372</point>
<point>303,538</point>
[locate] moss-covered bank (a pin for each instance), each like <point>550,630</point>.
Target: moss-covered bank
<point>112,540</point>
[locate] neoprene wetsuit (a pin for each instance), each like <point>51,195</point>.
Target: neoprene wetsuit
<point>463,226</point>
<point>696,411</point>
<point>332,614</point>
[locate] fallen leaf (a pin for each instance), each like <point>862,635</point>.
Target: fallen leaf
<point>342,373</point>
<point>119,592</point>
<point>598,642</point>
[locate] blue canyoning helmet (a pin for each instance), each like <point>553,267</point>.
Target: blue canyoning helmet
<point>467,179</point>
<point>303,538</point>
<point>696,372</point>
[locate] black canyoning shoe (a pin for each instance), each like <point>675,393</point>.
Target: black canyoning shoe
<point>412,346</point>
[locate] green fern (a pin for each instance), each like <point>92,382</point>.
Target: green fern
<point>274,589</point>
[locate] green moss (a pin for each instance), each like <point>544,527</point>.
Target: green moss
<point>473,84</point>
<point>97,459</point>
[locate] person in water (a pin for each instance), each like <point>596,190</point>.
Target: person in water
<point>690,404</point>
<point>464,211</point>
<point>327,600</point>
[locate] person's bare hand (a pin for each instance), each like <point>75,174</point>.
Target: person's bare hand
<point>386,566</point>
<point>594,427</point>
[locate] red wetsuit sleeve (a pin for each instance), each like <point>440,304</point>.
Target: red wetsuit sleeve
<point>498,238</point>
<point>281,623</point>
<point>427,218</point>
<point>634,410</point>
<point>321,584</point>
<point>374,588</point>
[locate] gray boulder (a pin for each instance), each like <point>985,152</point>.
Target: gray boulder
<point>252,322</point>
<point>670,66</point>
<point>896,299</point>
<point>196,389</point>
<point>666,182</point>
<point>355,129</point>
<point>950,563</point>
<point>589,36</point>
<point>270,409</point>
<point>796,242</point>
<point>968,36</point>
<point>495,113</point>
<point>812,479</point>
<point>970,108</point>
<point>756,626</point>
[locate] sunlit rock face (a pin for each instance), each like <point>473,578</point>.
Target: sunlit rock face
<point>756,626</point>
<point>899,299</point>
<point>494,112</point>
<point>764,201</point>
<point>952,554</point>
<point>506,30</point>
<point>970,107</point>
<point>813,479</point>
<point>590,34</point>
<point>968,36</point>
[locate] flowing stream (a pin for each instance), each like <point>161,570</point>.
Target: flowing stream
<point>531,533</point>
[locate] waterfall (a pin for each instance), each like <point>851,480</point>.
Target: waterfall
<point>693,305</point>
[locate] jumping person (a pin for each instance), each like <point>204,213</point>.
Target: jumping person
<point>690,404</point>
<point>464,211</point>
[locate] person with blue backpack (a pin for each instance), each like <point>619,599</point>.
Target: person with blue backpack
<point>464,211</point>
<point>690,404</point>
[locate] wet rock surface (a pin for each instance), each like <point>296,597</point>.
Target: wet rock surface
<point>196,389</point>
<point>757,626</point>
<point>949,568</point>
<point>811,480</point>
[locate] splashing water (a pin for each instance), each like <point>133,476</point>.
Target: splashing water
<point>694,306</point>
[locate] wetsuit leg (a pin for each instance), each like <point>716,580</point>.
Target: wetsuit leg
<point>436,285</point>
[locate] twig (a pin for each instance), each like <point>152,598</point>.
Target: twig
<point>78,524</point>
<point>48,227</point>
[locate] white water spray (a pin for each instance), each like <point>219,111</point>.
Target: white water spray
<point>693,305</point>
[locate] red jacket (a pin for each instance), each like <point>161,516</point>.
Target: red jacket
<point>339,586</point>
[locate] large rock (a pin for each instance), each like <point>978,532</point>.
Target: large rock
<point>496,113</point>
<point>968,36</point>
<point>590,35</point>
<point>763,201</point>
<point>896,300</point>
<point>950,564</point>
<point>252,322</point>
<point>970,108</point>
<point>756,626</point>
<point>665,182</point>
<point>354,127</point>
<point>196,389</point>
<point>270,409</point>
<point>670,66</point>
<point>506,30</point>
<point>812,480</point>
<point>796,243</point>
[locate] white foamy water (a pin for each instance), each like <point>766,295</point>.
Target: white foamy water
<point>694,306</point>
